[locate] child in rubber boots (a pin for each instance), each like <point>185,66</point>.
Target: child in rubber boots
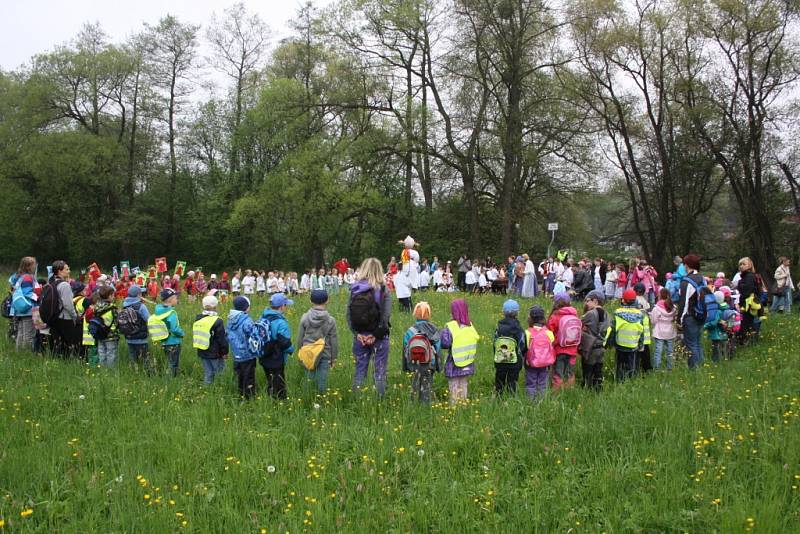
<point>509,349</point>
<point>210,340</point>
<point>169,331</point>
<point>277,351</point>
<point>567,329</point>
<point>240,326</point>
<point>716,328</point>
<point>539,355</point>
<point>461,338</point>
<point>318,325</point>
<point>421,350</point>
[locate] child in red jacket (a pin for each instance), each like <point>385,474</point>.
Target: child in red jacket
<point>566,326</point>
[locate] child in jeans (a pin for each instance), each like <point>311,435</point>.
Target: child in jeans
<point>539,355</point>
<point>105,330</point>
<point>415,352</point>
<point>240,325</point>
<point>172,344</point>
<point>317,324</point>
<point>210,340</point>
<point>664,332</point>
<point>509,348</point>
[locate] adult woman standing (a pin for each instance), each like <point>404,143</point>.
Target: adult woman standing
<point>368,314</point>
<point>529,287</point>
<point>66,330</point>
<point>748,287</point>
<point>24,296</point>
<point>692,326</point>
<point>783,287</point>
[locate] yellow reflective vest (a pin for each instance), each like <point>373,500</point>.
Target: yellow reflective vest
<point>628,328</point>
<point>157,328</point>
<point>201,332</point>
<point>465,343</point>
<point>80,307</point>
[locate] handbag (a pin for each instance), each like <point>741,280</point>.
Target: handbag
<point>310,353</point>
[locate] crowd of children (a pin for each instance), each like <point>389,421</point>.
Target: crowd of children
<point>547,348</point>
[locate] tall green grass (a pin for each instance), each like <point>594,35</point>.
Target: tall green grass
<point>713,450</point>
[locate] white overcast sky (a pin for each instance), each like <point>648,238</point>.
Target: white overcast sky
<point>28,27</point>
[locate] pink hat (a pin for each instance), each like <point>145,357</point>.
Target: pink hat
<point>725,291</point>
<point>669,276</point>
<point>718,283</point>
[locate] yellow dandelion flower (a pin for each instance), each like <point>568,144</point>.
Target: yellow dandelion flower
<point>146,496</point>
<point>27,512</point>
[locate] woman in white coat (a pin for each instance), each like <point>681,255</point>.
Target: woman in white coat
<point>529,287</point>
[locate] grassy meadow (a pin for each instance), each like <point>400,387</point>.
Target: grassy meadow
<point>713,450</point>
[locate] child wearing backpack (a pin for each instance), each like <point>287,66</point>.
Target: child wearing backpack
<point>240,326</point>
<point>368,314</point>
<point>25,294</point>
<point>567,329</point>
<point>164,327</point>
<point>595,325</point>
<point>662,317</point>
<point>103,327</point>
<point>210,340</point>
<point>133,325</point>
<point>716,327</point>
<point>626,334</point>
<point>539,355</point>
<point>643,303</point>
<point>461,338</point>
<point>318,340</point>
<point>421,348</point>
<point>509,348</point>
<point>277,351</point>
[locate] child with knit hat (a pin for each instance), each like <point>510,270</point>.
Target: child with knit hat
<point>210,339</point>
<point>421,348</point>
<point>509,348</point>
<point>539,354</point>
<point>315,325</point>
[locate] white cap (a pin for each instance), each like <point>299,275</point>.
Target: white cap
<point>720,275</point>
<point>210,301</point>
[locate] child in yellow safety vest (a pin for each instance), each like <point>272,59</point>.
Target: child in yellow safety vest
<point>164,327</point>
<point>626,333</point>
<point>210,339</point>
<point>462,339</point>
<point>103,326</point>
<point>82,306</point>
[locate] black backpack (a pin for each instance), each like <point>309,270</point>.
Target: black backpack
<point>365,312</point>
<point>130,324</point>
<point>50,305</point>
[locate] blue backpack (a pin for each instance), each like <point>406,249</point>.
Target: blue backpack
<point>705,304</point>
<point>259,338</point>
<point>21,304</point>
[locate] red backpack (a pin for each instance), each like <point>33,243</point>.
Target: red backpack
<point>419,349</point>
<point>540,348</point>
<point>570,330</point>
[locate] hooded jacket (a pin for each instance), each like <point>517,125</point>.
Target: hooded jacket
<point>318,324</point>
<point>239,327</point>
<point>173,326</point>
<point>510,327</point>
<point>281,335</point>
<point>429,330</point>
<point>663,321</point>
<point>595,326</point>
<point>384,299</point>
<point>552,325</point>
<point>143,312</point>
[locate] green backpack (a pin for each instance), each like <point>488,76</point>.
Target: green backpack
<point>505,350</point>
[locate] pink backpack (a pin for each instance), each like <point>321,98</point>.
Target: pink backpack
<point>570,330</point>
<point>540,349</point>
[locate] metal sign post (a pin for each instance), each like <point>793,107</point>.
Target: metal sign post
<point>552,228</point>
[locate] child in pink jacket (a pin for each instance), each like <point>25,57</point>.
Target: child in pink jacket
<point>662,317</point>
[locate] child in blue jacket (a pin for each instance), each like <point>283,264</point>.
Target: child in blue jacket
<point>172,345</point>
<point>240,325</point>
<point>716,327</point>
<point>277,351</point>
<point>422,378</point>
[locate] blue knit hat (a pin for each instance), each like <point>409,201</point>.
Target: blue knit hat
<point>241,303</point>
